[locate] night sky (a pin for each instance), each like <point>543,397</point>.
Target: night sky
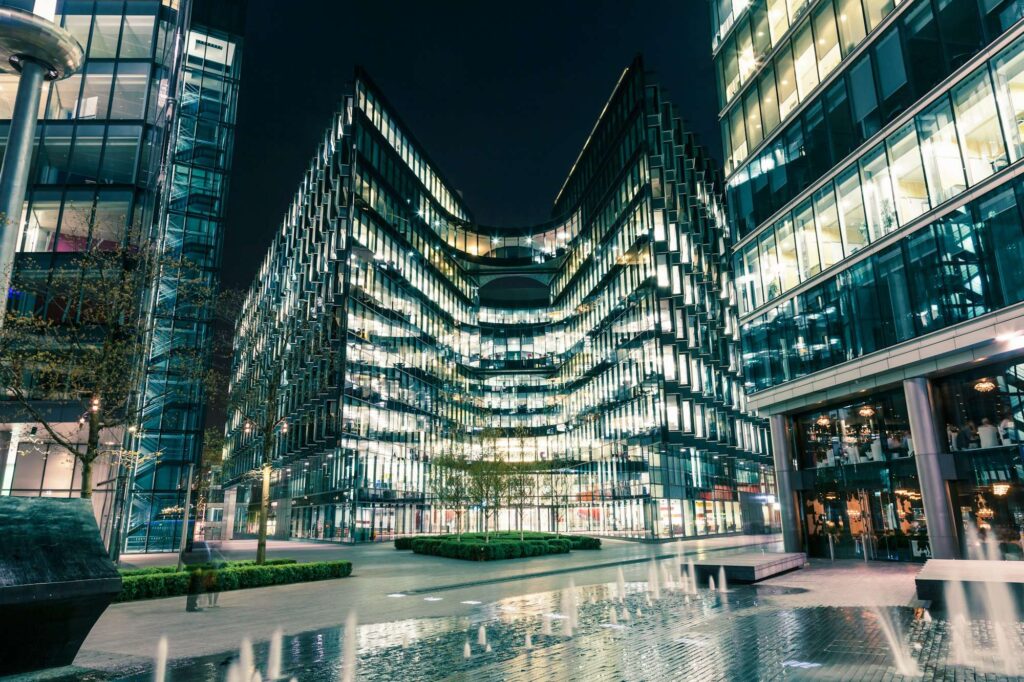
<point>500,95</point>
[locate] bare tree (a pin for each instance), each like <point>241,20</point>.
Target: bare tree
<point>450,484</point>
<point>521,484</point>
<point>75,333</point>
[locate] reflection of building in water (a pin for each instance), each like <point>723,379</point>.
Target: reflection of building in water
<point>599,346</point>
<point>873,153</point>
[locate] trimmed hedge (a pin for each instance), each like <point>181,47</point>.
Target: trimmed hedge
<point>240,575</point>
<point>575,542</point>
<point>132,572</point>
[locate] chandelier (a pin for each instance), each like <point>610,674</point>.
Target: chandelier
<point>985,513</point>
<point>1000,489</point>
<point>823,421</point>
<point>984,386</point>
<point>866,411</point>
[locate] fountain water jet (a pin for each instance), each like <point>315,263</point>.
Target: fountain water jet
<point>904,662</point>
<point>693,576</point>
<point>160,667</point>
<point>481,636</point>
<point>529,642</point>
<point>653,588</point>
<point>961,647</point>
<point>621,585</point>
<point>246,660</point>
<point>711,583</point>
<point>274,655</point>
<point>348,649</point>
<point>466,650</point>
<point>613,617</point>
<point>723,586</point>
<point>545,628</point>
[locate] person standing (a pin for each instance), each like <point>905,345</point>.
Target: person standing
<point>988,434</point>
<point>1008,430</point>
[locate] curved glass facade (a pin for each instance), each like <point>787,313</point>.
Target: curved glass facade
<point>602,342</point>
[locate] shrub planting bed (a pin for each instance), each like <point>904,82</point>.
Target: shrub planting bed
<point>477,547</point>
<point>152,583</point>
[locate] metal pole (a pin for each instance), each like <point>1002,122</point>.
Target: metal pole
<point>16,165</point>
<point>184,527</point>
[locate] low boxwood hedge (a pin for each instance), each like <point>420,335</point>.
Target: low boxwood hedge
<point>151,584</point>
<point>153,570</point>
<point>532,544</point>
<point>474,547</point>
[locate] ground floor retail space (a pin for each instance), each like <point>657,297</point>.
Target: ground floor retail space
<point>891,474</point>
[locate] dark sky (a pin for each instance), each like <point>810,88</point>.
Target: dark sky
<point>502,95</point>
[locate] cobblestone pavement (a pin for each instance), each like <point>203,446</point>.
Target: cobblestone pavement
<point>668,634</point>
<point>818,623</point>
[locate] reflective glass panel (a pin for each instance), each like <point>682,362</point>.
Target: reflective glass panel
<point>981,141</point>
<point>907,174</point>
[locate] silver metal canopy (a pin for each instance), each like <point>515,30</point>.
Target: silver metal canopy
<point>25,36</point>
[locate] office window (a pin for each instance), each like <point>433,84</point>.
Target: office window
<point>826,39</point>
<point>805,60</point>
<point>752,275</point>
<point>981,141</point>
<point>851,23</point>
<point>960,24</point>
<point>137,36</point>
<point>826,218</point>
<point>753,114</point>
<point>769,100</point>
<point>789,267</point>
<point>925,58</point>
<point>878,198</point>
<point>892,75</point>
<point>851,211</point>
<point>41,226</point>
<point>907,174</point>
<point>999,217</point>
<point>941,151</point>
<point>785,76</point>
<point>863,98</point>
<point>1008,70</point>
<point>730,69</point>
<point>778,19</point>
<point>759,27</point>
<point>769,265</point>
<point>105,31</point>
<point>95,99</point>
<point>876,10</point>
<point>737,133</point>
<point>806,241</point>
<point>120,154</point>
<point>842,133</point>
<point>745,52</point>
<point>130,91</point>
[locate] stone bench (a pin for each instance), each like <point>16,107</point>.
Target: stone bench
<point>747,567</point>
<point>976,577</point>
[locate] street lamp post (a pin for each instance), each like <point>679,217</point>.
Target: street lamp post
<point>40,51</point>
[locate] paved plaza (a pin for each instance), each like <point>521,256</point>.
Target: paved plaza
<point>416,615</point>
<point>625,612</point>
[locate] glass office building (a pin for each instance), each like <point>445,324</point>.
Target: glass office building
<point>142,136</point>
<point>387,327</point>
<point>873,159</point>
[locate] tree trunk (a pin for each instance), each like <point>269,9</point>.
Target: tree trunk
<point>86,478</point>
<point>261,543</point>
<point>91,448</point>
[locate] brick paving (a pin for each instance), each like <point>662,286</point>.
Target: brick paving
<point>813,624</point>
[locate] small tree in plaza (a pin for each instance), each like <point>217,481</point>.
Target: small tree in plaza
<point>450,484</point>
<point>75,333</point>
<point>559,488</point>
<point>521,487</point>
<point>488,488</point>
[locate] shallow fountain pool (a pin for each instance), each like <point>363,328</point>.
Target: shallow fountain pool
<point>654,630</point>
